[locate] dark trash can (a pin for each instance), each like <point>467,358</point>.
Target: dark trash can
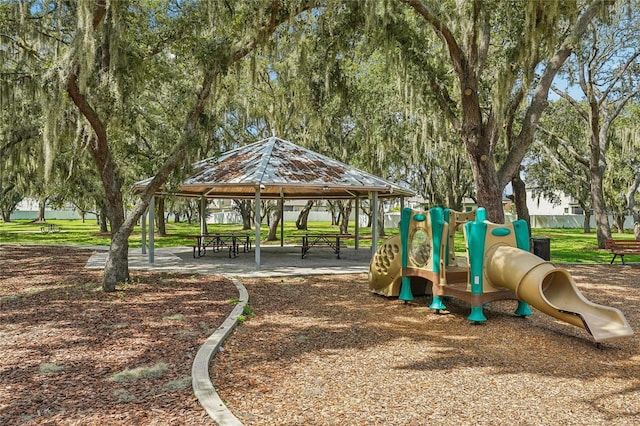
<point>541,247</point>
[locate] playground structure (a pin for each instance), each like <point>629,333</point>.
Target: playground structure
<point>498,266</point>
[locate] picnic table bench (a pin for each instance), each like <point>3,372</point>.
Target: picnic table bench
<point>218,241</point>
<point>333,241</point>
<point>50,228</point>
<point>622,247</point>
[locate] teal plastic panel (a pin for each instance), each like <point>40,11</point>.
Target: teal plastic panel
<point>437,225</point>
<point>500,232</point>
<point>476,236</point>
<point>522,234</point>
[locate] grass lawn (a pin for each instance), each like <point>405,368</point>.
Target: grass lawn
<point>74,232</point>
<point>574,246</point>
<point>567,245</point>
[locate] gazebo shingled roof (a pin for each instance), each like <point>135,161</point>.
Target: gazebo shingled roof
<point>280,169</point>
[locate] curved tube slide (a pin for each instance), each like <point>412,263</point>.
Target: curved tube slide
<point>553,291</point>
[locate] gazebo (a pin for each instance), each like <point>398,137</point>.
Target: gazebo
<point>277,169</point>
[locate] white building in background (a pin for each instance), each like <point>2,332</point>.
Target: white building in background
<point>28,209</point>
<point>541,206</point>
<point>566,213</point>
<point>29,204</point>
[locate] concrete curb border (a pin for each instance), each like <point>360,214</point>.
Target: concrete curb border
<point>200,379</point>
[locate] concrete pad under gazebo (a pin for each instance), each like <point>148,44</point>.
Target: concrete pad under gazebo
<point>276,169</point>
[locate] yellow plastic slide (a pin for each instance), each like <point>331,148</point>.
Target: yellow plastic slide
<point>552,290</point>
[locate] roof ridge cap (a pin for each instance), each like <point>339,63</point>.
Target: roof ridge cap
<point>265,159</point>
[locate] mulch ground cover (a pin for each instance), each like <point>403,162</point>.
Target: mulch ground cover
<point>320,350</point>
<point>73,354</point>
<point>324,350</point>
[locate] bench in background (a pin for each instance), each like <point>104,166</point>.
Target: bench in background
<point>622,247</point>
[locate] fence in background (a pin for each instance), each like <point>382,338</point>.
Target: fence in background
<point>391,220</point>
<point>50,214</point>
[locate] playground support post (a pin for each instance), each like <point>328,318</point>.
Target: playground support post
<point>405,289</point>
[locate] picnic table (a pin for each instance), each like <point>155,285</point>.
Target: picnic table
<point>50,228</point>
<point>233,241</point>
<point>334,241</point>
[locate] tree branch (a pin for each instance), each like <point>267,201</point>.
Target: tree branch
<point>620,73</point>
<point>442,31</point>
<point>485,43</point>
<point>99,12</point>
<point>631,193</point>
<point>85,108</point>
<point>567,145</point>
<point>565,95</point>
<point>539,100</point>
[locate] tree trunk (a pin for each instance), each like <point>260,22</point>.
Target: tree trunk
<point>265,211</point>
<point>603,230</point>
<point>41,210</point>
<point>245,207</point>
<point>364,209</point>
<point>475,135</point>
<point>520,200</point>
<point>380,213</point>
<point>631,206</point>
<point>455,201</point>
<point>117,265</point>
<point>303,217</point>
<point>116,268</point>
<point>102,218</point>
<point>10,203</point>
<point>333,210</point>
<point>273,223</point>
<point>597,168</point>
<point>160,221</point>
<point>118,255</point>
<point>488,190</point>
<point>586,225</point>
<point>205,227</point>
<point>618,220</point>
<point>246,223</point>
<point>485,176</point>
<point>345,212</point>
<point>176,217</point>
